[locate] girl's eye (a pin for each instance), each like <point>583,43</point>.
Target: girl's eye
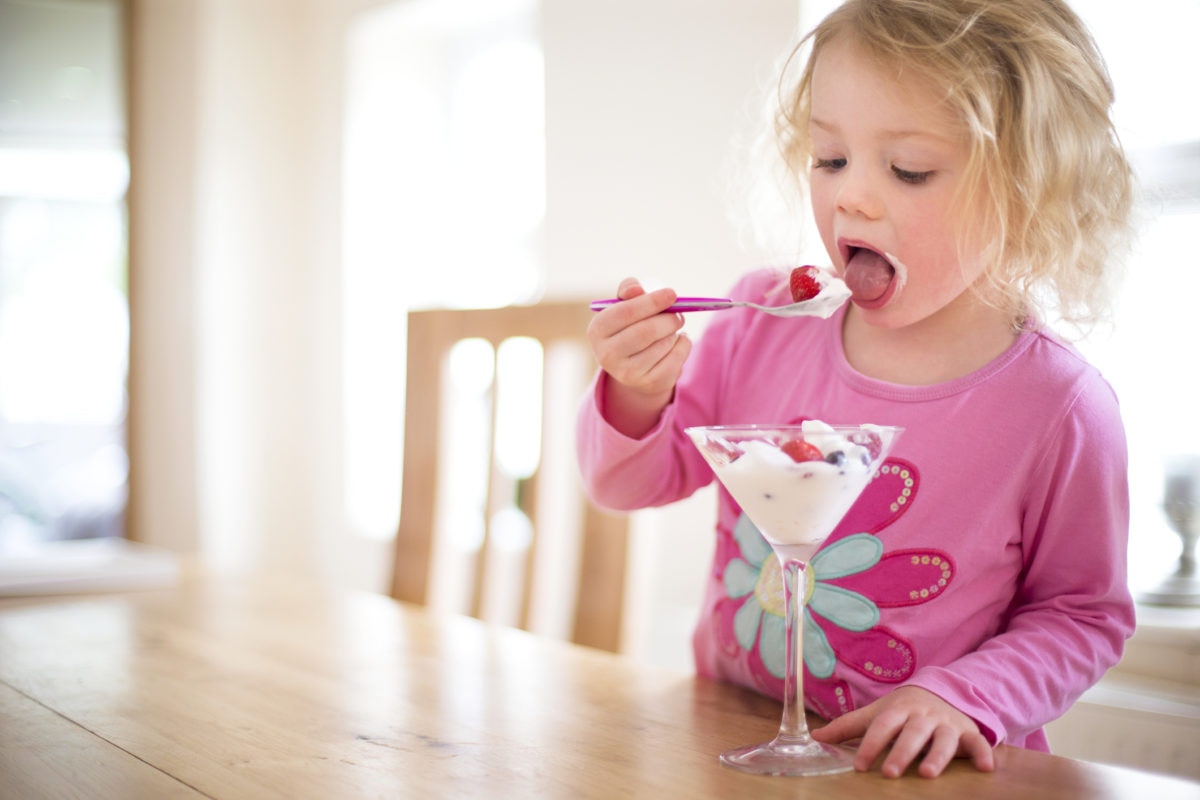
<point>915,178</point>
<point>828,163</point>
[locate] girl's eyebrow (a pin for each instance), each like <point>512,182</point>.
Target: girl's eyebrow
<point>901,133</point>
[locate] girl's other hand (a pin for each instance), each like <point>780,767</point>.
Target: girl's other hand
<point>916,724</point>
<point>642,350</point>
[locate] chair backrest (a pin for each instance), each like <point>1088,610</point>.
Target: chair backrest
<point>493,519</point>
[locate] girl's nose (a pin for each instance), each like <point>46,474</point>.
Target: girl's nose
<point>857,194</point>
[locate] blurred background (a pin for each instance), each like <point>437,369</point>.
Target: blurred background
<point>215,214</point>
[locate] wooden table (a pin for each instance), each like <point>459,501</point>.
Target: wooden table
<point>239,688</point>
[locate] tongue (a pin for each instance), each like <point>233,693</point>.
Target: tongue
<point>868,275</point>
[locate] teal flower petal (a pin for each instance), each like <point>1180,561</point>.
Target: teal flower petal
<point>844,608</point>
<point>752,544</point>
<point>771,645</point>
<point>740,578</point>
<point>847,556</point>
<point>745,623</point>
<point>818,655</point>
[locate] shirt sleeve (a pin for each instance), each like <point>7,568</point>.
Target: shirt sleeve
<point>1072,613</point>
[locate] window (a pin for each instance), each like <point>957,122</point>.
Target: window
<point>63,311</point>
<point>1149,355</point>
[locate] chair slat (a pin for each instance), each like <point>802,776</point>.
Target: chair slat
<point>599,577</point>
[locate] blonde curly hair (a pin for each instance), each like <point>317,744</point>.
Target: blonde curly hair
<point>1047,177</point>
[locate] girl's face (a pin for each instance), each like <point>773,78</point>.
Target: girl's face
<point>888,160</point>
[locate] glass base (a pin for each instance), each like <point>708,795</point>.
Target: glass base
<point>797,757</point>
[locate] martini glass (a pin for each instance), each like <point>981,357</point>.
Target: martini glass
<point>795,483</point>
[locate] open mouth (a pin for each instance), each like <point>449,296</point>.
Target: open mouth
<point>870,275</point>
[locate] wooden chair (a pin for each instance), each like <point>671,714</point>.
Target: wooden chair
<point>559,533</point>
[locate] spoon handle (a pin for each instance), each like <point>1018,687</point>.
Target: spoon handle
<point>681,304</point>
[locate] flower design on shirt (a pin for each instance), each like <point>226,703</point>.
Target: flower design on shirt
<point>757,577</point>
<point>848,581</point>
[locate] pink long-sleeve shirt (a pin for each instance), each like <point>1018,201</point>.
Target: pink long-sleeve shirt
<point>985,563</point>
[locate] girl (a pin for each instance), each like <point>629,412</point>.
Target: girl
<point>966,182</point>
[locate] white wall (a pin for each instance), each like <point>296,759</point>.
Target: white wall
<point>645,105</point>
<point>234,208</point>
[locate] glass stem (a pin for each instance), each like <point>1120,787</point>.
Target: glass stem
<point>794,726</point>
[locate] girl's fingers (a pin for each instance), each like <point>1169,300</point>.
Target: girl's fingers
<point>638,307</point>
<point>975,746</point>
<point>875,742</point>
<point>625,339</point>
<point>629,288</point>
<point>942,750</point>
<point>911,740</point>
<point>848,726</point>
<point>660,361</point>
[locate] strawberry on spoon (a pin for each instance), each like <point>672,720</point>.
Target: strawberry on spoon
<point>805,283</point>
